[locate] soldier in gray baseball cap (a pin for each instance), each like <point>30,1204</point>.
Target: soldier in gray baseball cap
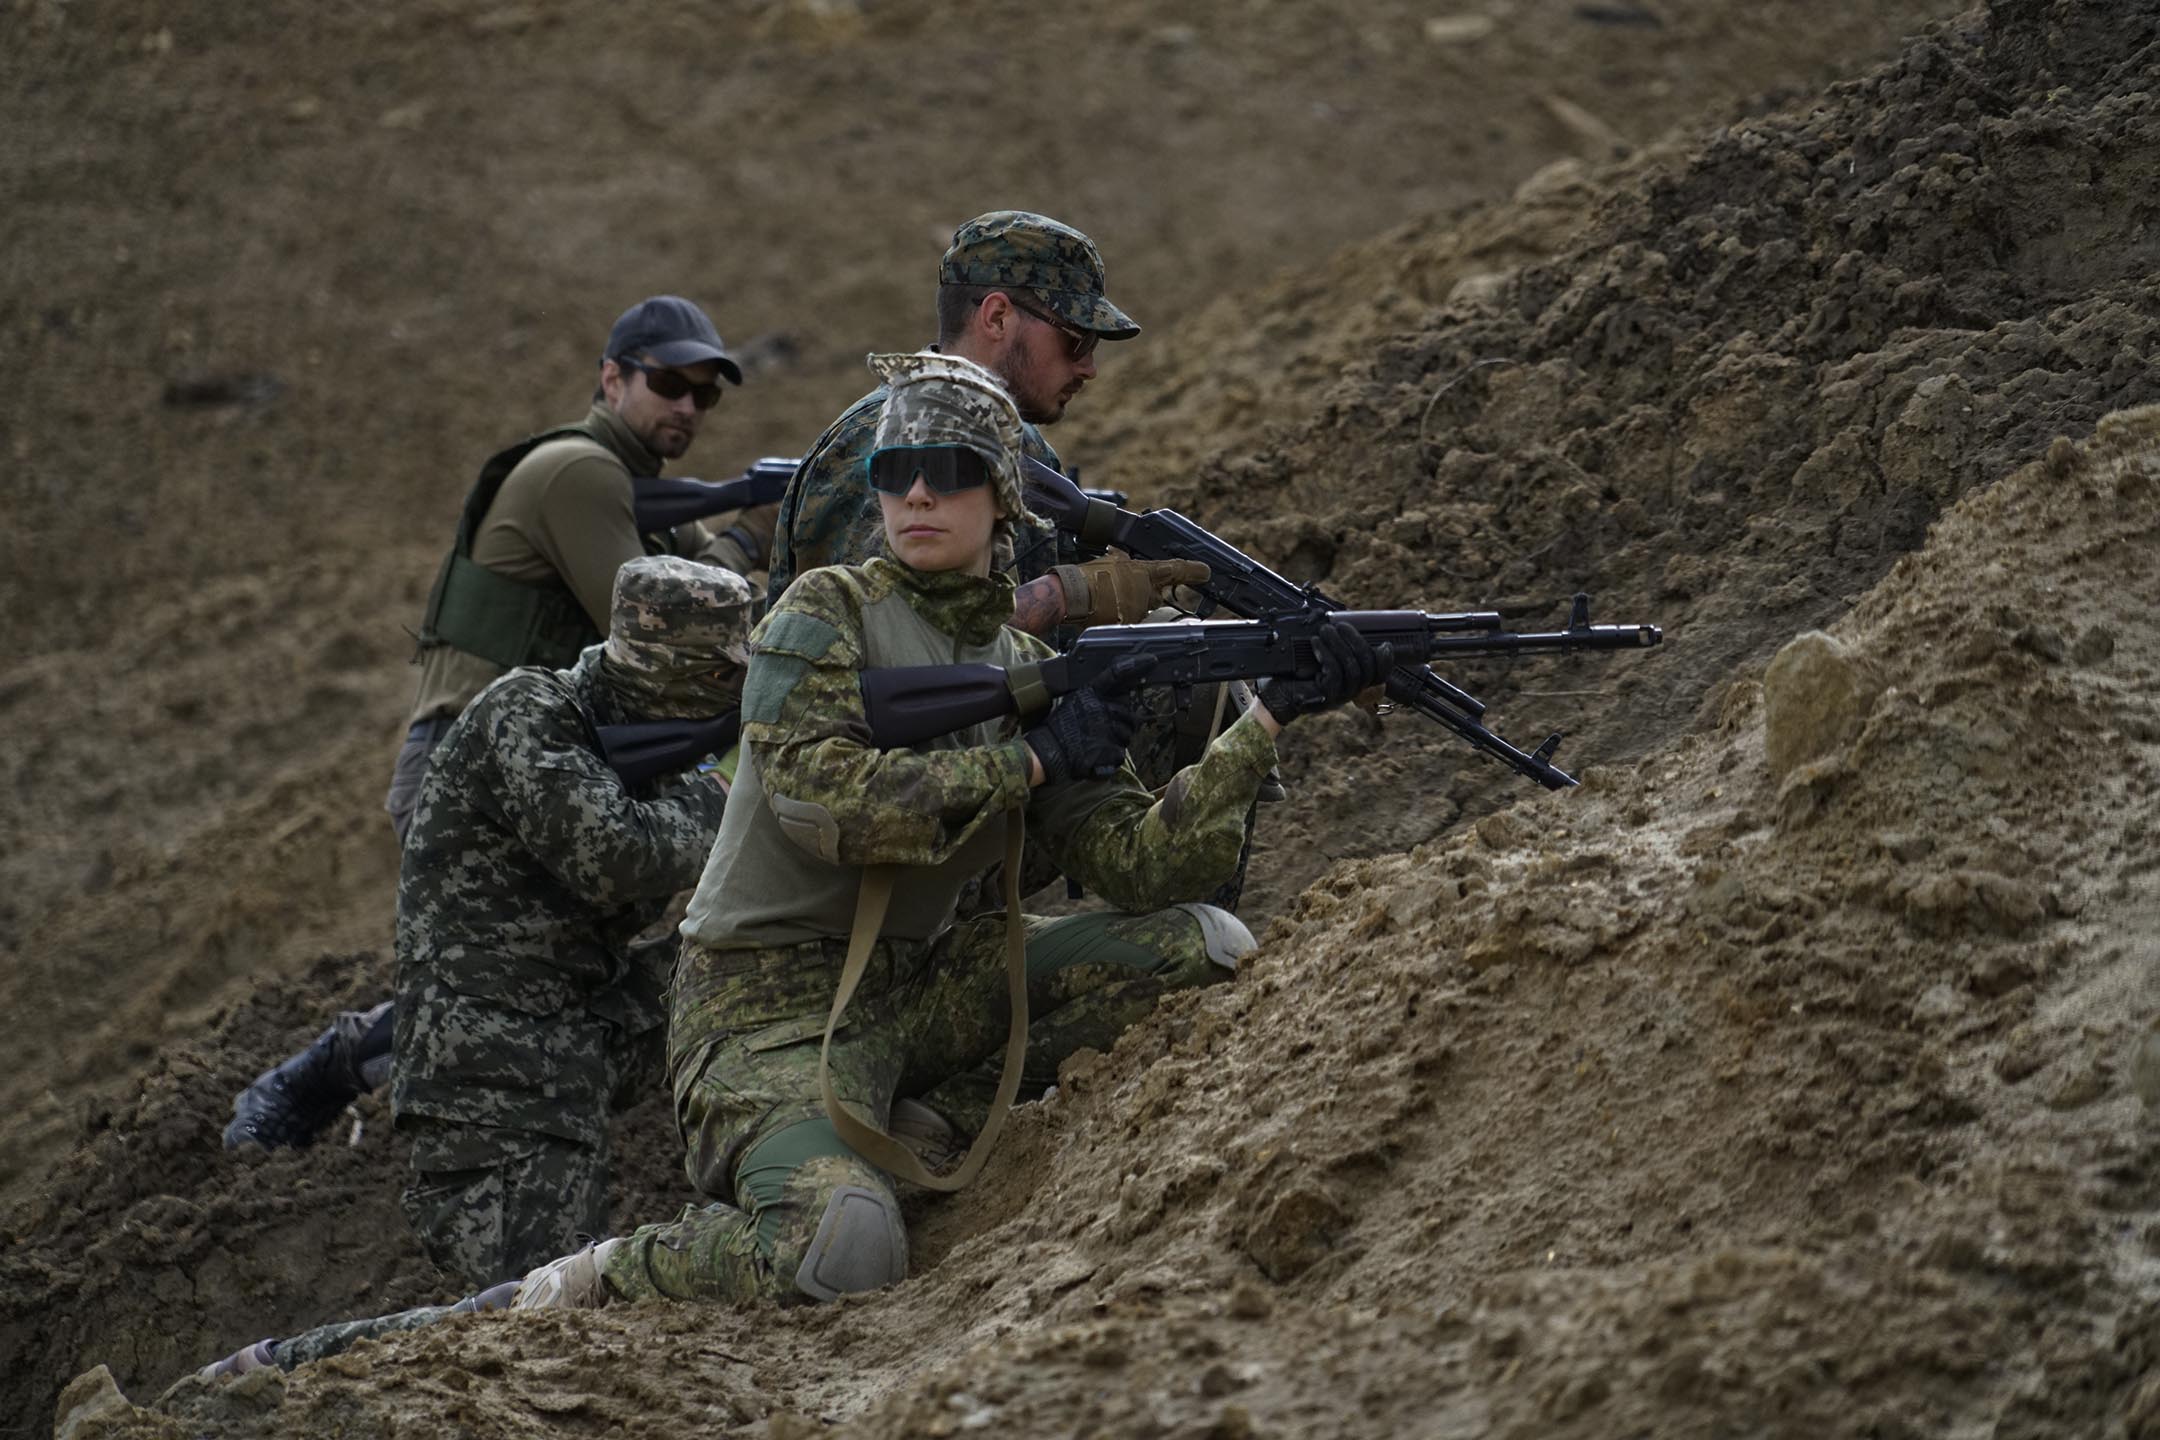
<point>668,330</point>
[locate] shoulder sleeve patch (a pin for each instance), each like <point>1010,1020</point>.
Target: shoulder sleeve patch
<point>797,633</point>
<point>770,680</point>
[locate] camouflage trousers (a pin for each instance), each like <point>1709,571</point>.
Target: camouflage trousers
<point>326,1340</point>
<point>510,1160</point>
<point>932,1028</point>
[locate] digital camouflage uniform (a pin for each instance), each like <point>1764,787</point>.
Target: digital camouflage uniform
<point>524,1012</point>
<point>766,930</point>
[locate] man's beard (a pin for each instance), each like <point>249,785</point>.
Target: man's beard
<point>1035,414</point>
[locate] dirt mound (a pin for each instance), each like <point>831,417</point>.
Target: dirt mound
<point>150,1236</point>
<point>1728,406</point>
<point>1705,1098</point>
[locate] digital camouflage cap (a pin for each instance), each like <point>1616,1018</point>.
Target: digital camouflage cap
<point>678,637</point>
<point>1026,251</point>
<point>937,399</point>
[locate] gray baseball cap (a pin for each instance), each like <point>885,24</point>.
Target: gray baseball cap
<point>673,332</point>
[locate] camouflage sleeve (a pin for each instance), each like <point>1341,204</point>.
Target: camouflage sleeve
<point>1141,853</point>
<point>578,819</point>
<point>1038,545</point>
<point>803,715</point>
<point>828,515</point>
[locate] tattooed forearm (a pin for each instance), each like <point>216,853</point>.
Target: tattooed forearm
<point>1038,606</point>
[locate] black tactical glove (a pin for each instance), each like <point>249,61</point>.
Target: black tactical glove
<point>1085,734</point>
<point>1349,664</point>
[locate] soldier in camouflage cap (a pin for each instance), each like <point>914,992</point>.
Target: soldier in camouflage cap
<point>1016,249</point>
<point>934,399</point>
<point>1022,296</point>
<point>526,1011</point>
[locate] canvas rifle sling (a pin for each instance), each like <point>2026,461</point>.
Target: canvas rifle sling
<point>873,1144</point>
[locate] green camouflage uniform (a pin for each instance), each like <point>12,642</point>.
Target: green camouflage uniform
<point>815,802</point>
<point>524,1012</point>
<point>829,515</point>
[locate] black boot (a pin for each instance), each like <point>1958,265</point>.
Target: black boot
<point>290,1103</point>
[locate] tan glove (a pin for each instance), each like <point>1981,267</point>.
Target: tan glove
<point>1118,591</point>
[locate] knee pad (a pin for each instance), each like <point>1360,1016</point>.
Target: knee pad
<point>860,1245</point>
<point>1225,936</point>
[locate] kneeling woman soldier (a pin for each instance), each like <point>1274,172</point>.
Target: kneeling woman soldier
<point>819,814</point>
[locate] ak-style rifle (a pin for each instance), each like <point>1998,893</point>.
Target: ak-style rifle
<point>1243,586</point>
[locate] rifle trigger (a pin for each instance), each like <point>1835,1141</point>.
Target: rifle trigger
<point>1579,617</point>
<point>1544,753</point>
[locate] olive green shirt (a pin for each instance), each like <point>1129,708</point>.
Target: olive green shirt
<point>567,511</point>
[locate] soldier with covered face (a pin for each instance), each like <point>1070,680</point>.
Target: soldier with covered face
<point>524,1013</point>
<point>833,1022</point>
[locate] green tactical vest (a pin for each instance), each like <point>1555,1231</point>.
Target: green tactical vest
<point>503,621</point>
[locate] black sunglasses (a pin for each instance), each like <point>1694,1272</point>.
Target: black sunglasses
<point>673,384</point>
<point>946,469</point>
<point>1079,344</point>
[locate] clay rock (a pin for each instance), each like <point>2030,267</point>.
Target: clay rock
<point>93,1406</point>
<point>1816,694</point>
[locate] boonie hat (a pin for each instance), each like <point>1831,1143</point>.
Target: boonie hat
<point>937,399</point>
<point>1026,251</point>
<point>675,623</point>
<point>673,332</point>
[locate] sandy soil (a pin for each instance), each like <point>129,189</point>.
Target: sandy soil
<point>1771,1083</point>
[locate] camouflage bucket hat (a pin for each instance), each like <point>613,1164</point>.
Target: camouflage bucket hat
<point>936,399</point>
<point>675,623</point>
<point>1026,251</point>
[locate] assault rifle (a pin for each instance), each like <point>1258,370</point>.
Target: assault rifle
<point>658,502</point>
<point>1243,586</point>
<point>906,705</point>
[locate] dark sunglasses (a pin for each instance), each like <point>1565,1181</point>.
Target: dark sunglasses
<point>673,384</point>
<point>1079,344</point>
<point>946,469</point>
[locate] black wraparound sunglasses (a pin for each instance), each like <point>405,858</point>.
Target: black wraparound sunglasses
<point>1079,344</point>
<point>946,469</point>
<point>673,384</point>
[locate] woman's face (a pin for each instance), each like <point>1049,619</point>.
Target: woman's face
<point>930,531</point>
